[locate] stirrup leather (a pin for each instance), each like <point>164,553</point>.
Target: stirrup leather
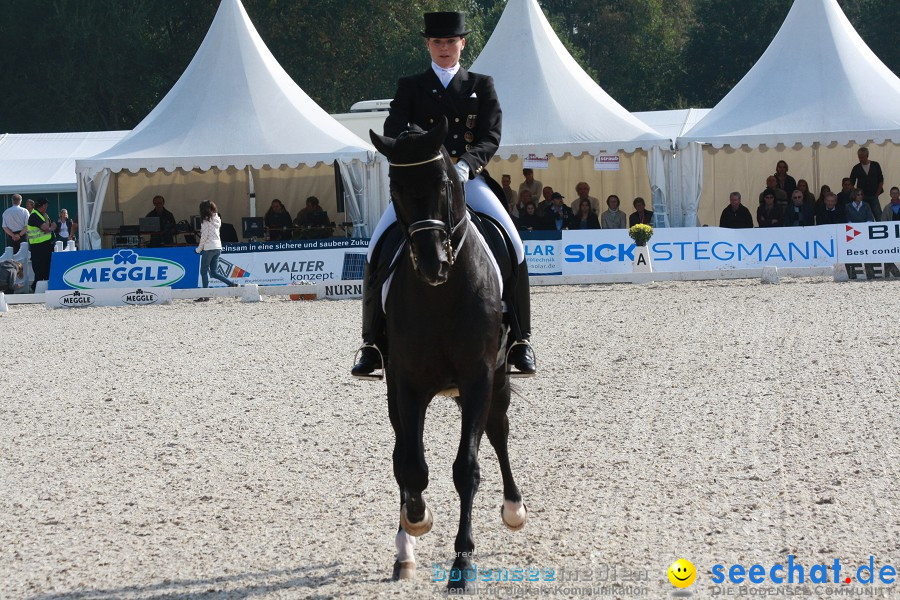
<point>374,376</point>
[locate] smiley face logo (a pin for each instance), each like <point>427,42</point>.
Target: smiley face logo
<point>682,573</point>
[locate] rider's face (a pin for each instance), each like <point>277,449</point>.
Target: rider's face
<point>445,51</point>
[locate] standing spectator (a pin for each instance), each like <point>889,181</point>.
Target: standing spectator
<point>783,181</point>
<point>511,196</point>
<point>868,177</point>
<point>210,246</point>
<point>613,218</point>
<point>736,215</point>
<point>65,227</point>
<point>584,190</point>
<point>808,198</point>
<point>858,211</point>
<point>640,215</point>
<point>769,214</point>
<point>546,202</point>
<point>11,271</point>
<point>530,183</point>
<point>558,215</point>
<point>830,213</point>
<point>892,210</point>
<point>15,223</point>
<point>845,196</point>
<point>166,223</point>
<point>278,221</point>
<point>799,214</point>
<point>772,184</point>
<point>40,241</point>
<point>585,218</point>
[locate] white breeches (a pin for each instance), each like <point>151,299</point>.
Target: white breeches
<point>480,197</point>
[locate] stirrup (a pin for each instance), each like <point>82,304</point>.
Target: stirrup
<point>369,376</point>
<point>519,374</point>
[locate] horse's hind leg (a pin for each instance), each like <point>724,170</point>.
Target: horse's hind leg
<point>405,563</point>
<point>513,512</point>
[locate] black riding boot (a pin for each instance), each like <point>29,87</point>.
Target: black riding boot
<point>370,356</point>
<point>521,355</point>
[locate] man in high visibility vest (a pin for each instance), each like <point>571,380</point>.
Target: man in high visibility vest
<point>40,241</point>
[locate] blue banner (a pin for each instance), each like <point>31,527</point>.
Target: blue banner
<point>125,268</point>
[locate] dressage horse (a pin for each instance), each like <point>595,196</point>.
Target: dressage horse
<point>445,330</point>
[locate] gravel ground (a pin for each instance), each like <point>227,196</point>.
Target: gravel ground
<point>220,450</point>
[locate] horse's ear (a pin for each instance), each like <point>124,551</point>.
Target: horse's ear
<point>385,145</point>
<point>435,137</point>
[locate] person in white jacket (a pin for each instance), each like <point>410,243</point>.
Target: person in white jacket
<point>210,245</point>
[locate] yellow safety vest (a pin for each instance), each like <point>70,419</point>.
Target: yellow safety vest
<point>36,235</point>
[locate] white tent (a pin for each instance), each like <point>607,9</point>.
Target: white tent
<point>817,85</point>
<point>551,106</point>
<point>36,163</point>
<point>235,112</point>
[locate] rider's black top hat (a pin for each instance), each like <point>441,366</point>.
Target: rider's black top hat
<point>445,25</point>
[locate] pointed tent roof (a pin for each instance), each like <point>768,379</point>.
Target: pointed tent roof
<point>550,105</point>
<point>234,106</point>
<point>817,82</point>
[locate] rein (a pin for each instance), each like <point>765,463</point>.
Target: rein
<point>447,228</point>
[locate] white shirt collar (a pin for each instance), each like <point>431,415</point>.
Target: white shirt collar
<point>445,75</point>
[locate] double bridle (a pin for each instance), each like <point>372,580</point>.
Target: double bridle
<point>447,228</point>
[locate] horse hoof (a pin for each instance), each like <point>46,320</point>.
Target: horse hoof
<point>514,514</point>
<point>416,529</point>
<point>404,569</point>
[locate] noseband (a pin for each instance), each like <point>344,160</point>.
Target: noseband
<point>447,228</point>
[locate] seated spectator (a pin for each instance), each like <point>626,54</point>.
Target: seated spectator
<point>529,219</point>
<point>585,218</point>
<point>11,275</point>
<point>524,199</point>
<point>783,181</point>
<point>546,201</point>
<point>278,221</point>
<point>820,201</point>
<point>892,210</point>
<point>736,215</point>
<point>799,214</point>
<point>830,213</point>
<point>780,196</point>
<point>65,228</point>
<point>859,211</point>
<point>808,198</point>
<point>640,215</point>
<point>558,215</point>
<point>313,220</point>
<point>531,184</point>
<point>613,218</point>
<point>769,214</point>
<point>510,195</point>
<point>583,190</point>
<point>845,196</point>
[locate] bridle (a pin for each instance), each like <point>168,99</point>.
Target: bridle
<point>447,228</point>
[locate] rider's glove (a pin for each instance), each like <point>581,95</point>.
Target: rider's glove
<point>462,169</point>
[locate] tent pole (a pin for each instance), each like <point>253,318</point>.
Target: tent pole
<point>252,191</point>
<point>815,156</point>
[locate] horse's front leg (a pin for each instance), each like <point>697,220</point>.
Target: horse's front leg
<point>405,562</point>
<point>475,399</point>
<point>412,471</point>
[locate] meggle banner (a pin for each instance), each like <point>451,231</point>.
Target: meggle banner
<point>286,262</point>
<point>124,268</point>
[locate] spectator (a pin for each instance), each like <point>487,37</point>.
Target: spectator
<point>771,184</point>
<point>15,223</point>
<point>867,176</point>
<point>799,214</point>
<point>314,220</point>
<point>511,196</point>
<point>736,215</point>
<point>547,200</point>
<point>858,211</point>
<point>558,215</point>
<point>613,218</point>
<point>892,210</point>
<point>530,183</point>
<point>166,223</point>
<point>40,241</point>
<point>845,196</point>
<point>65,227</point>
<point>769,214</point>
<point>640,215</point>
<point>820,201</point>
<point>529,219</point>
<point>583,190</point>
<point>585,218</point>
<point>830,213</point>
<point>11,272</point>
<point>278,221</point>
<point>524,199</point>
<point>210,246</point>
<point>808,198</point>
<point>783,181</point>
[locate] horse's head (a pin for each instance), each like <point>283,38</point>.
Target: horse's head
<point>428,199</point>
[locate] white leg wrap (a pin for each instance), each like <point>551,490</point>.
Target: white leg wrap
<point>406,546</point>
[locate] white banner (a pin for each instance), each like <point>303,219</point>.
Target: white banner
<point>868,242</point>
<point>107,297</point>
<point>535,161</point>
<point>607,162</point>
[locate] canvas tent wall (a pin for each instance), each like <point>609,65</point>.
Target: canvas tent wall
<point>234,114</point>
<point>812,99</point>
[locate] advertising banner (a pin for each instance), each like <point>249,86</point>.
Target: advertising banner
<point>107,297</point>
<point>606,162</point>
<point>124,268</point>
<point>542,251</point>
<point>868,242</point>
<point>536,161</point>
<point>291,261</point>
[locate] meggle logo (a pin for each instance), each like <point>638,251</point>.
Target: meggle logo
<point>123,269</point>
<point>140,297</point>
<point>76,299</point>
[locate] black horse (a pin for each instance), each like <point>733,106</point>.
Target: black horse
<point>446,331</point>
